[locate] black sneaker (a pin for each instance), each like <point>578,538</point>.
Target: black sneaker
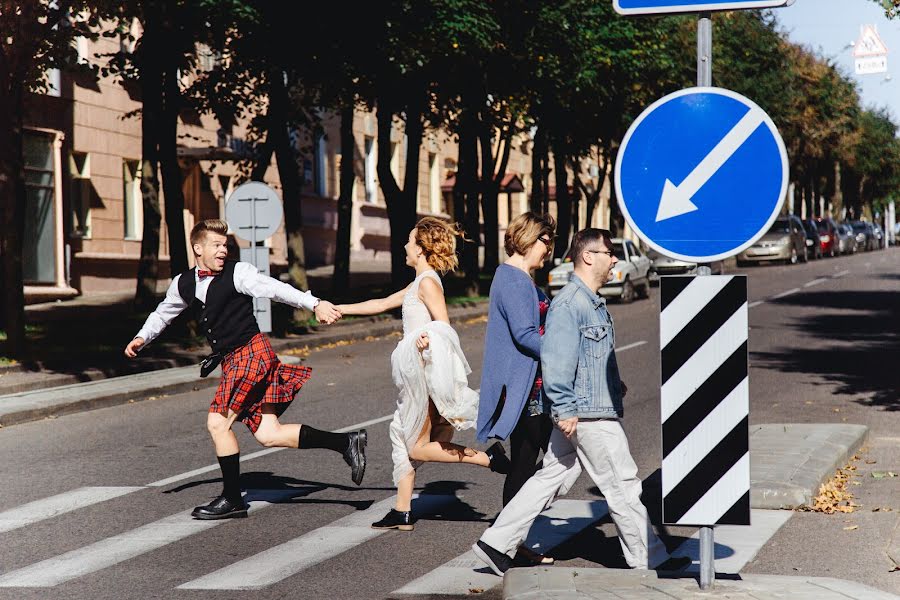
<point>221,508</point>
<point>355,455</point>
<point>496,560</point>
<point>395,519</point>
<point>674,564</point>
<point>499,461</point>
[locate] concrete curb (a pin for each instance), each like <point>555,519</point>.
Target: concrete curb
<point>543,583</point>
<point>788,462</point>
<point>35,404</point>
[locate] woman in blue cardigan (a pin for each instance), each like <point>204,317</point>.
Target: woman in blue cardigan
<point>512,403</point>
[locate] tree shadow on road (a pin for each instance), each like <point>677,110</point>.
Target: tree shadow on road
<point>859,350</point>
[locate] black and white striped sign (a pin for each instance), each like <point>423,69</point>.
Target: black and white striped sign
<point>705,400</point>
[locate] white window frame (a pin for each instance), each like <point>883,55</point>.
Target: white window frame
<point>131,181</point>
<point>371,187</point>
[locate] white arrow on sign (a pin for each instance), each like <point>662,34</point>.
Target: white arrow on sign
<point>676,199</point>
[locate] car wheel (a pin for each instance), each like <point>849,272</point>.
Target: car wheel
<point>645,290</point>
<point>742,263</point>
<point>627,292</point>
<point>805,257</point>
<point>794,258</point>
<point>833,253</point>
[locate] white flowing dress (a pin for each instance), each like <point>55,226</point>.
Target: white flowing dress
<point>440,373</point>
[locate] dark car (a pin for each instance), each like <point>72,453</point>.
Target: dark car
<point>813,241</point>
<point>846,239</point>
<point>865,237</point>
<point>828,236</point>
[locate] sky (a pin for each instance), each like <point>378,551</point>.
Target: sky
<point>828,26</point>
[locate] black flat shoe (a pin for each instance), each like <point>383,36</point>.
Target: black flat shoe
<point>496,560</point>
<point>221,508</point>
<point>674,564</point>
<point>499,460</point>
<point>395,519</point>
<point>355,455</point>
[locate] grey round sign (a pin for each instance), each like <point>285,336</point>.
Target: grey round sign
<point>254,211</point>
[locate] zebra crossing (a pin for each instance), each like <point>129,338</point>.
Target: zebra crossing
<point>559,523</point>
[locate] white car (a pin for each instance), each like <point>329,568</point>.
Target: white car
<point>630,276</point>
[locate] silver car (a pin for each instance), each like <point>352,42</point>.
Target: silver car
<point>785,241</point>
<point>628,279</point>
<point>846,240</point>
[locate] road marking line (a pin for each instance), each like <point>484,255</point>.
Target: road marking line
<point>815,282</point>
<point>284,560</point>
<point>787,293</point>
<point>252,455</point>
<point>119,548</point>
<point>841,274</point>
<point>630,346</point>
<point>563,520</point>
<point>736,545</point>
<point>52,506</point>
<point>755,304</point>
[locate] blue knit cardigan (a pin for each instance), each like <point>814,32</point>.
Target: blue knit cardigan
<point>512,352</point>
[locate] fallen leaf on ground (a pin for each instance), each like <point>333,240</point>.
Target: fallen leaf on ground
<point>869,461</point>
<point>476,590</point>
<point>851,528</point>
<point>834,495</point>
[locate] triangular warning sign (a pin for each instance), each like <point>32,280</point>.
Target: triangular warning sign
<point>869,43</point>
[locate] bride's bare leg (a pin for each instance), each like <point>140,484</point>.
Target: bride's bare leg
<point>405,492</point>
<point>426,450</point>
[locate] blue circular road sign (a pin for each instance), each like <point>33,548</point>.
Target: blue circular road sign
<point>701,174</point>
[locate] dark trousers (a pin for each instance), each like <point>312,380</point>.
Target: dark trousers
<point>525,443</point>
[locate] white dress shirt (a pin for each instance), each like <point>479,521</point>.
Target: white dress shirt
<point>247,280</point>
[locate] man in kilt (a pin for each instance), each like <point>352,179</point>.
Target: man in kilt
<point>255,386</point>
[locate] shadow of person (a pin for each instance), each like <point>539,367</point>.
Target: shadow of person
<point>457,510</point>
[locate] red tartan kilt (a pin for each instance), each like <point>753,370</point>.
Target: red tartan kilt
<point>253,376</point>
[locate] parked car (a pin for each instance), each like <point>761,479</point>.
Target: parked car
<point>828,237</point>
<point>879,236</point>
<point>865,237</point>
<point>630,276</point>
<point>813,240</point>
<point>846,239</point>
<point>660,265</point>
<point>785,241</point>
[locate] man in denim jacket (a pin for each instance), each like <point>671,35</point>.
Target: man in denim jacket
<point>581,380</point>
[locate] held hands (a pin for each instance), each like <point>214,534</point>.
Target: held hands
<point>422,341</point>
<point>133,347</point>
<point>326,312</point>
<point>568,426</point>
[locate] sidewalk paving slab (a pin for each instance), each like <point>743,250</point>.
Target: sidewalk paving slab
<point>573,583</point>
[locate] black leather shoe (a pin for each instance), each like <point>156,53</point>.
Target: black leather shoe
<point>395,519</point>
<point>674,564</point>
<point>496,560</point>
<point>355,455</point>
<point>499,460</point>
<point>221,508</point>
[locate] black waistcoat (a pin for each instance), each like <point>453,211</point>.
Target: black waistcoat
<point>227,317</point>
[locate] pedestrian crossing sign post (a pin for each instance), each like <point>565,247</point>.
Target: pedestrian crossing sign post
<point>658,7</point>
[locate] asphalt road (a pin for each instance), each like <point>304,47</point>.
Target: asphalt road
<point>824,348</point>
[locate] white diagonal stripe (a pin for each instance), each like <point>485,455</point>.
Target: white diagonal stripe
<point>737,545</point>
<point>563,520</point>
<point>721,496</point>
<point>785,294</point>
<point>630,346</point>
<point>280,562</point>
<point>815,282</point>
<point>704,437</point>
<point>704,362</point>
<point>114,550</point>
<point>46,508</point>
<point>687,305</point>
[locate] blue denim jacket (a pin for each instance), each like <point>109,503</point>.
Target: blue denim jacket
<point>578,358</point>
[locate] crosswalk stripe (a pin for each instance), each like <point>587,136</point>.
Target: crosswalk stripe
<point>563,520</point>
<point>46,508</point>
<point>119,548</point>
<point>736,545</point>
<point>284,560</point>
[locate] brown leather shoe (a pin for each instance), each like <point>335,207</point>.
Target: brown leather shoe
<point>529,556</point>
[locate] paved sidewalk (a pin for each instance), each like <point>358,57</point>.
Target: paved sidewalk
<point>560,583</point>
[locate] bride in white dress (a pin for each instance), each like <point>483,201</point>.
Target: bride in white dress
<point>430,371</point>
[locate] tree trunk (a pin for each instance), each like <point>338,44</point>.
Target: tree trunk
<point>151,92</point>
<point>12,217</point>
<point>465,200</point>
<point>401,203</point>
<point>493,170</point>
<point>563,205</point>
<point>171,171</point>
<point>341,277</point>
<point>538,192</point>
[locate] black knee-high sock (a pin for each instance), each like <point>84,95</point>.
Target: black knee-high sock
<point>231,476</point>
<point>310,437</point>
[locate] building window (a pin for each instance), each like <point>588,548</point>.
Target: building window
<point>80,194</point>
<point>321,171</point>
<point>39,242</point>
<point>371,189</point>
<point>434,183</point>
<point>133,201</point>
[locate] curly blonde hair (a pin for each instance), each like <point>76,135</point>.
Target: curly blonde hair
<point>437,239</point>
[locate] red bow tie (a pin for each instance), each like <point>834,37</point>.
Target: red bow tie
<point>201,273</point>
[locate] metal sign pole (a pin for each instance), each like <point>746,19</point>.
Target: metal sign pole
<point>704,79</point>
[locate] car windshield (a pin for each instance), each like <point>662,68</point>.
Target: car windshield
<point>823,226</point>
<point>780,226</point>
<point>809,227</point>
<point>858,226</point>
<point>618,251</point>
